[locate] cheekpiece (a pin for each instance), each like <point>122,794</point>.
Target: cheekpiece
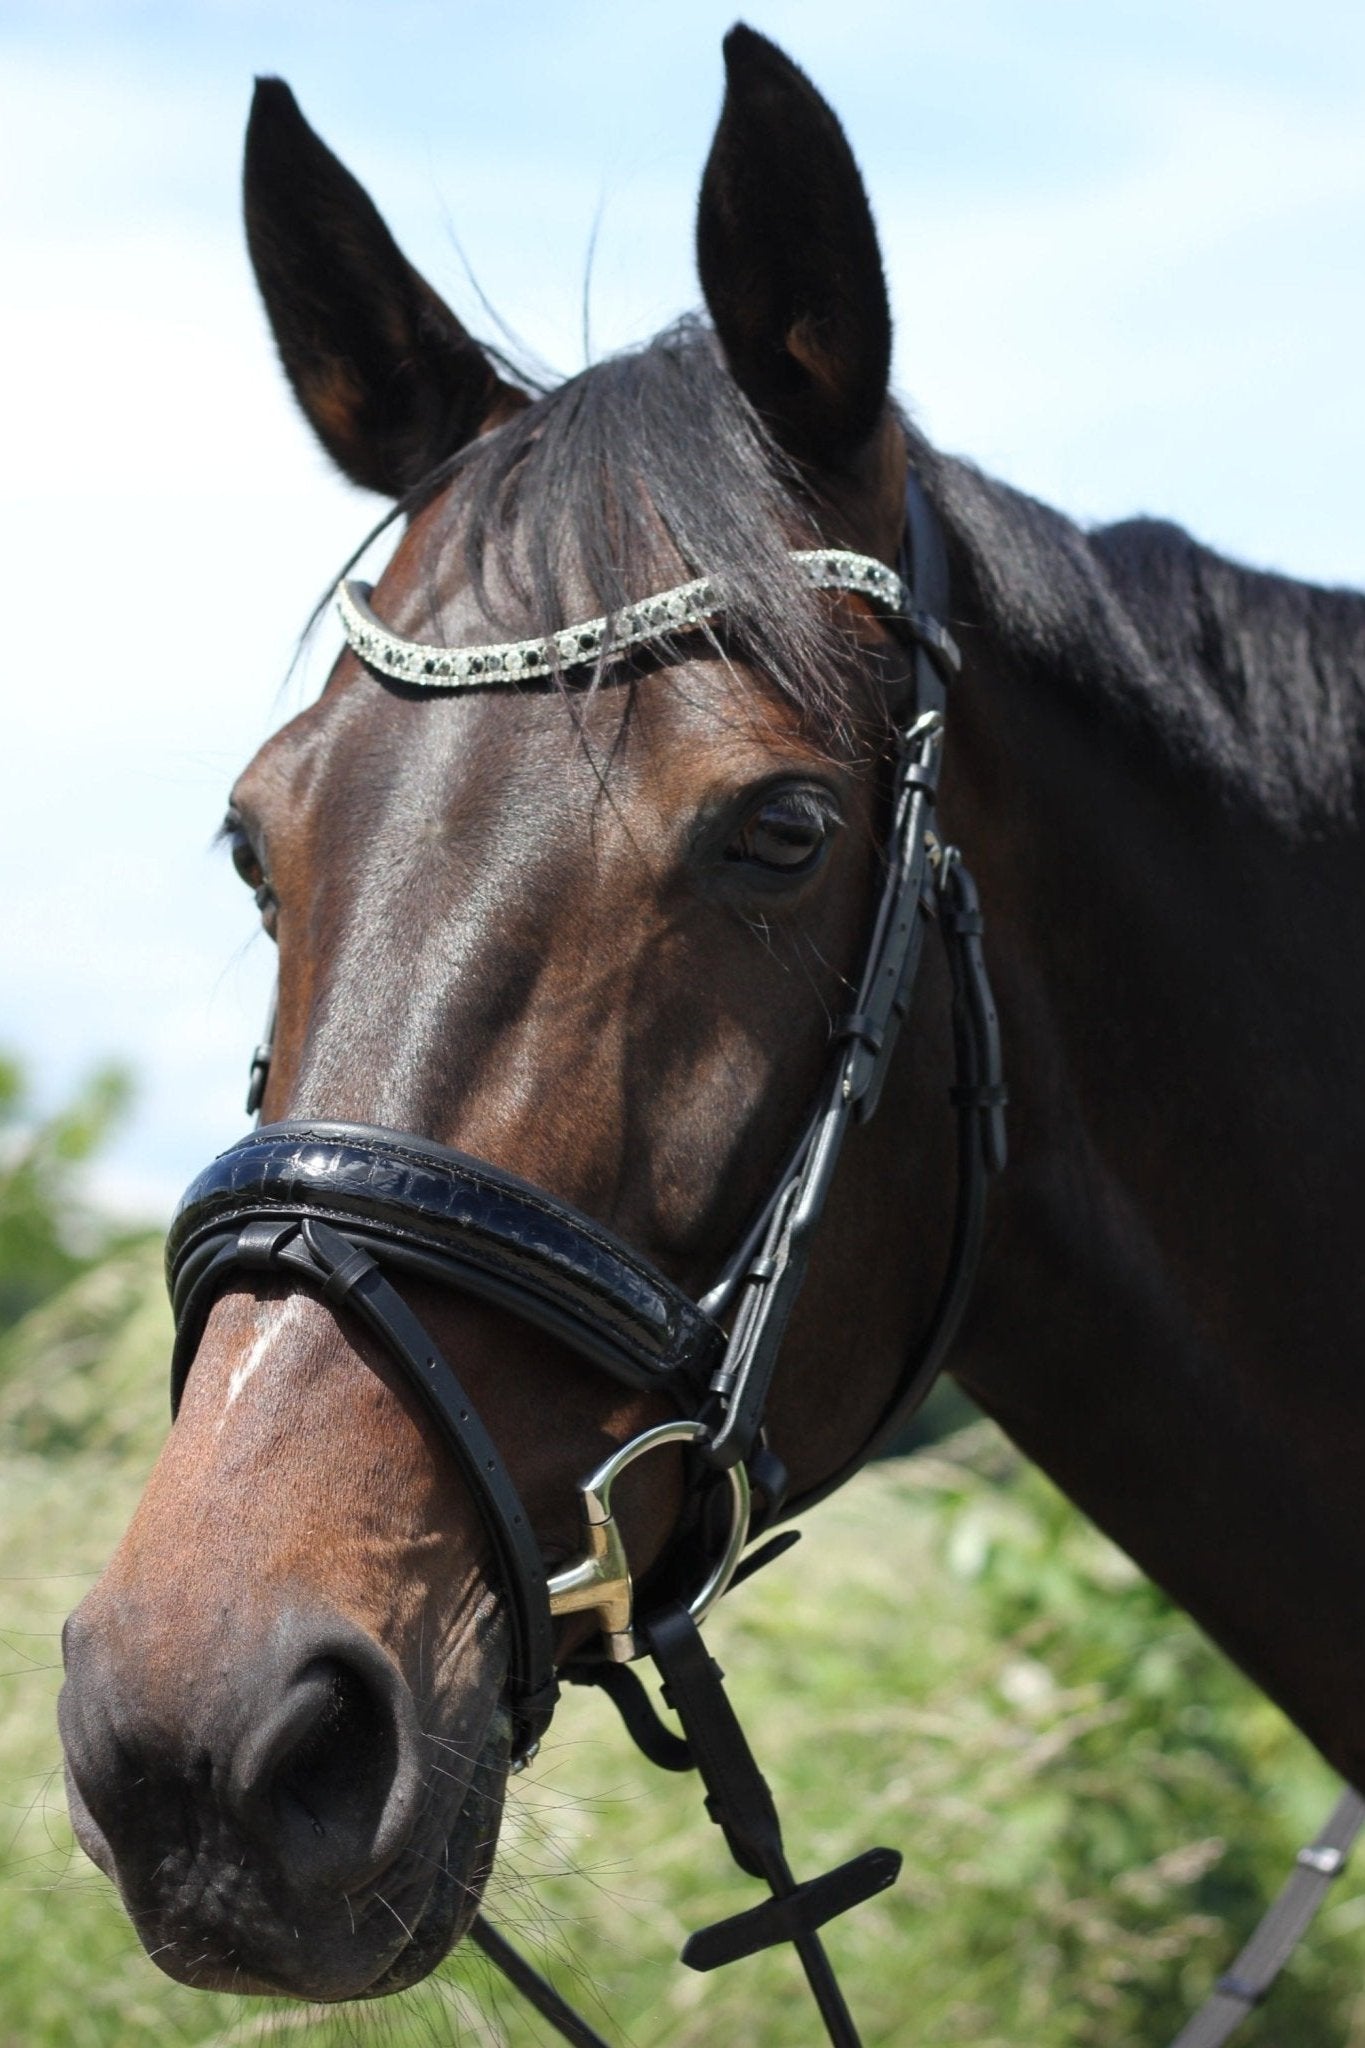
<point>506,664</point>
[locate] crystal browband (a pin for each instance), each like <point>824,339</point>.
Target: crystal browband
<point>635,625</point>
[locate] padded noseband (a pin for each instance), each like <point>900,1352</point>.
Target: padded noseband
<point>426,1210</point>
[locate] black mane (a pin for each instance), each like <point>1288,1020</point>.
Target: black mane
<point>652,467</point>
<point>1250,679</point>
<point>646,470</point>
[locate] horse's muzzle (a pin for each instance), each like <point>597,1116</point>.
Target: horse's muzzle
<point>282,1838</point>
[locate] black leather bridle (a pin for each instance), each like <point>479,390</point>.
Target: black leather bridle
<point>340,1208</point>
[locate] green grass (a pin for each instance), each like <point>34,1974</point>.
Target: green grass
<point>1091,1804</point>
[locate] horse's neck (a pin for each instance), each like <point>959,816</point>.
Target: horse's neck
<point>1170,1318</point>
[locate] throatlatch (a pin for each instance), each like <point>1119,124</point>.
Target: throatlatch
<point>339,1207</point>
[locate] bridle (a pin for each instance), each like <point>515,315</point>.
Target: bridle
<point>339,1208</point>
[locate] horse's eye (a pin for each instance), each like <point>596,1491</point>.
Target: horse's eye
<point>247,862</point>
<point>788,832</point>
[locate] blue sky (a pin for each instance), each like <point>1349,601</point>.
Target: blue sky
<point>1126,256</point>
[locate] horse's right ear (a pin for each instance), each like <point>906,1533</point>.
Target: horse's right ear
<point>388,378</point>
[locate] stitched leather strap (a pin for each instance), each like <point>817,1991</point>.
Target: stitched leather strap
<point>623,1688</point>
<point>348,1279</point>
<point>738,1800</point>
<point>1279,1932</point>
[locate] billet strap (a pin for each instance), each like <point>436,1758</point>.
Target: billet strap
<point>1240,1989</point>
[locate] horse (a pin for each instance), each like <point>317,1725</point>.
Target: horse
<point>568,937</point>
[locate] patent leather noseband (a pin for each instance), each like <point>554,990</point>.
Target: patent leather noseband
<point>443,1216</point>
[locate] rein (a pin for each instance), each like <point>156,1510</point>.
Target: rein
<point>339,1208</point>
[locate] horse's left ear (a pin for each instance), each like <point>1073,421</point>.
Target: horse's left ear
<point>788,259</point>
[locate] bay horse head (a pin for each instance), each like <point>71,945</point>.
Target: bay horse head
<point>564,957</point>
<point>598,875</point>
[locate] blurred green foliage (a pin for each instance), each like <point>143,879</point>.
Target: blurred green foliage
<point>48,1233</point>
<point>1092,1804</point>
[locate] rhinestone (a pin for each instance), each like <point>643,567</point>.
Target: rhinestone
<point>650,618</point>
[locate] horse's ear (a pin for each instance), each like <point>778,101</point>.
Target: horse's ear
<point>788,258</point>
<point>388,378</point>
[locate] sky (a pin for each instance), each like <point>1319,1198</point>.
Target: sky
<point>1126,251</point>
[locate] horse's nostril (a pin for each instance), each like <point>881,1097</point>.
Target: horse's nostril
<point>328,1777</point>
<point>319,1778</point>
